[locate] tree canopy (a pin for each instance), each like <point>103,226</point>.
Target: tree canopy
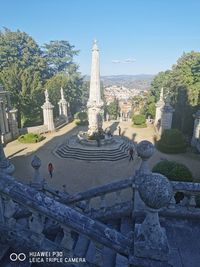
<point>26,70</point>
<point>182,84</point>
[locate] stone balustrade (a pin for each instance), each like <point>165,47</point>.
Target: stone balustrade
<point>43,208</point>
<point>101,197</point>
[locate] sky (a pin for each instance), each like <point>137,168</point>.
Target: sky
<point>134,36</point>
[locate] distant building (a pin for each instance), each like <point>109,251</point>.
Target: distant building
<point>125,110</point>
<point>119,92</point>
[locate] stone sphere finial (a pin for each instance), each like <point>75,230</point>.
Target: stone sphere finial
<point>36,162</point>
<point>155,190</point>
<point>145,149</point>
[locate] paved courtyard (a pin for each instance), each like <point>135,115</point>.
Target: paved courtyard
<point>80,175</point>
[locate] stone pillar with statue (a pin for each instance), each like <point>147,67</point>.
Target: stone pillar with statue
<point>159,105</point>
<point>63,106</point>
<point>13,124</point>
<point>196,131</point>
<point>48,113</point>
<point>166,116</point>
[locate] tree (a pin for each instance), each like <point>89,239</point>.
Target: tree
<point>182,84</point>
<point>59,55</point>
<point>159,81</point>
<point>23,72</point>
<point>72,86</point>
<point>112,109</point>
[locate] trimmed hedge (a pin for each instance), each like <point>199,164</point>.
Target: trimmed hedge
<point>139,119</point>
<point>30,138</point>
<point>81,118</point>
<point>173,171</point>
<point>172,142</point>
<point>81,123</point>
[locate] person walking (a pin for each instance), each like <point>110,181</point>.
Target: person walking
<point>131,151</point>
<point>50,169</point>
<point>119,130</point>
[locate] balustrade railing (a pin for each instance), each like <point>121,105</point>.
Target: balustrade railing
<point>98,198</point>
<point>186,198</point>
<point>15,195</point>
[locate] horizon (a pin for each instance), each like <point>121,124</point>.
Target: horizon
<point>134,37</point>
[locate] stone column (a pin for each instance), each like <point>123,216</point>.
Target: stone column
<point>159,105</point>
<point>48,113</point>
<point>13,125</point>
<point>196,130</point>
<point>63,112</point>
<point>5,166</point>
<point>37,181</point>
<point>150,240</point>
<point>5,120</point>
<point>95,103</point>
<point>145,150</point>
<point>166,117</point>
<point>2,126</point>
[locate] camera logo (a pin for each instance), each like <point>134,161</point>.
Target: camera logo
<point>17,257</point>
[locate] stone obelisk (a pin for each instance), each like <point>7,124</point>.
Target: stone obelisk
<point>95,102</point>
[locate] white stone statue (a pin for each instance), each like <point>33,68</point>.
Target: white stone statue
<point>46,95</point>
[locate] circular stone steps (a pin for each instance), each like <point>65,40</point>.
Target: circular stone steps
<point>112,152</point>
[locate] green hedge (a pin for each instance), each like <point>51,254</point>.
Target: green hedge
<point>30,138</point>
<point>81,118</point>
<point>139,119</point>
<point>173,171</point>
<point>172,142</point>
<point>81,123</point>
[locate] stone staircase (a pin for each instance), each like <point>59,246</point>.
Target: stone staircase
<point>114,152</point>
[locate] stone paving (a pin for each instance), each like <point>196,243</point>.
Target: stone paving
<point>80,175</point>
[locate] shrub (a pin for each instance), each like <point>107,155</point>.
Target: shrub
<point>81,118</point>
<point>30,138</point>
<point>172,142</point>
<point>81,123</point>
<point>139,121</point>
<point>173,171</point>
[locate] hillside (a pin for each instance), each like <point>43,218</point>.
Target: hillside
<point>140,81</point>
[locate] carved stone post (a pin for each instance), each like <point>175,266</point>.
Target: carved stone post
<point>150,238</point>
<point>159,105</point>
<point>166,118</point>
<point>196,131</point>
<point>37,181</point>
<point>2,125</point>
<point>145,150</point>
<point>10,208</point>
<point>5,165</point>
<point>13,125</point>
<point>67,241</point>
<point>36,223</point>
<point>63,112</point>
<point>48,113</point>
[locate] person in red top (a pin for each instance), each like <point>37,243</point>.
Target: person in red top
<point>50,169</point>
<point>131,152</point>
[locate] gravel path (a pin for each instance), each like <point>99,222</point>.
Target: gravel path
<point>80,175</point>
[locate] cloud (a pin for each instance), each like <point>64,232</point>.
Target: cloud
<point>116,61</point>
<point>128,60</point>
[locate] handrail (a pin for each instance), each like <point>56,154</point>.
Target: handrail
<point>96,191</point>
<point>64,215</point>
<point>186,186</point>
